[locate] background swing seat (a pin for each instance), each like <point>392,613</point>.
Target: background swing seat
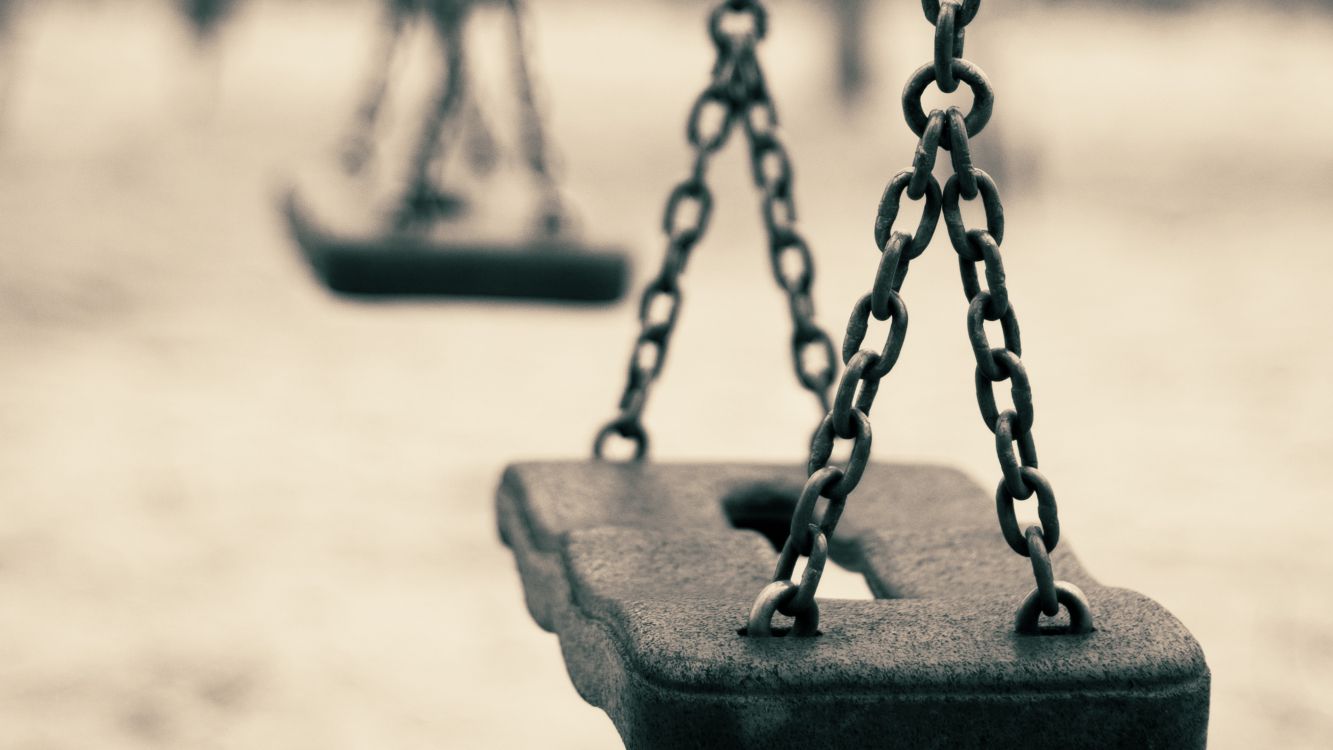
<point>639,570</point>
<point>420,264</point>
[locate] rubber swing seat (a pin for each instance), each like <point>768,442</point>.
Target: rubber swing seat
<point>647,572</point>
<point>420,265</point>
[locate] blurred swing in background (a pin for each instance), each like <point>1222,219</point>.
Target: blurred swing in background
<point>439,237</point>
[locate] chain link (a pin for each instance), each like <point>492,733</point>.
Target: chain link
<point>737,94</point>
<point>848,418</point>
<point>953,213</point>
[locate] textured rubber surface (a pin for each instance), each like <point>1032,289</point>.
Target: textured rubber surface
<point>640,572</point>
<point>410,265</point>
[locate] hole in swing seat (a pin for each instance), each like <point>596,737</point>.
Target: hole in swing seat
<point>767,509</point>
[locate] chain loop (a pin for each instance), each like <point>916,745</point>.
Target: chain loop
<point>947,41</point>
<point>997,302</point>
<point>769,125</point>
<point>804,600</point>
<point>890,275</point>
<point>773,203</point>
<point>726,41</point>
<point>803,515</point>
<point>1042,571</point>
<point>628,429</point>
<point>787,243</point>
<point>662,287</point>
<point>927,151</point>
<point>694,192</point>
<point>1012,465</point>
<point>976,333</point>
<point>776,181</point>
<point>821,450</point>
<point>859,324</point>
<point>774,595</point>
<point>983,97</point>
<point>953,214</point>
<point>712,97</point>
<point>804,538</point>
<point>652,340</point>
<point>816,379</point>
<point>890,202</point>
<point>855,375</point>
<point>1019,389</point>
<point>1046,511</point>
<point>960,152</point>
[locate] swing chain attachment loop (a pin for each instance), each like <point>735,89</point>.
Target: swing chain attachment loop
<point>630,430</point>
<point>773,596</point>
<point>983,97</point>
<point>737,93</point>
<point>1026,622</point>
<point>783,594</point>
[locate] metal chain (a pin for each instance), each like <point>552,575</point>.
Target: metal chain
<point>1015,446</point>
<point>424,200</point>
<point>553,215</point>
<point>359,147</point>
<point>865,368</point>
<point>772,168</point>
<point>736,93</point>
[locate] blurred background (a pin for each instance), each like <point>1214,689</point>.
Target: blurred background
<point>237,511</point>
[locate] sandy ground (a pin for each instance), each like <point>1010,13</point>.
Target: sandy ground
<point>238,513</point>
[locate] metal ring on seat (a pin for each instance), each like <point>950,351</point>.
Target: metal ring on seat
<point>1029,612</point>
<point>772,596</point>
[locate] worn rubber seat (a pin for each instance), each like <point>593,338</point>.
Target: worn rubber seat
<point>642,572</point>
<point>422,265</point>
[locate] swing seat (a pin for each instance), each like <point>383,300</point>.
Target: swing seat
<point>421,265</point>
<point>647,573</point>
